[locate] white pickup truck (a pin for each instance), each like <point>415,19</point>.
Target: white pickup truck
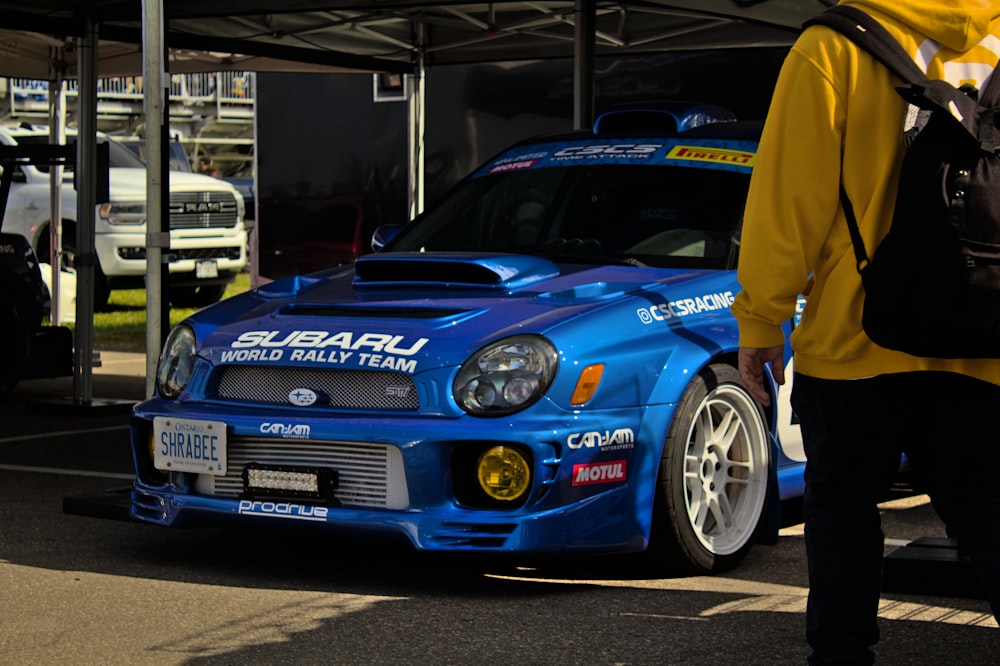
<point>208,241</point>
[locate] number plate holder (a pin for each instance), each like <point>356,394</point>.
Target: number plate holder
<point>189,445</point>
<point>205,269</point>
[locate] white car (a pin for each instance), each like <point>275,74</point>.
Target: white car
<point>208,240</point>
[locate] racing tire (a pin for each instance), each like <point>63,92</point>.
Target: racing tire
<point>15,338</point>
<point>713,479</point>
<point>196,297</point>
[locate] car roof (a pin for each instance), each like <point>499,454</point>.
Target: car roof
<point>689,120</point>
<point>23,129</point>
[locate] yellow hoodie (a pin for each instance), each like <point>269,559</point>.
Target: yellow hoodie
<point>835,110</point>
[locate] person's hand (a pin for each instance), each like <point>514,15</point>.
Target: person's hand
<point>751,365</point>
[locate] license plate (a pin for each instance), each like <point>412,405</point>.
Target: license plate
<point>189,445</point>
<point>207,268</point>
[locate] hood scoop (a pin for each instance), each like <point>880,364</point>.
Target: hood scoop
<point>370,311</point>
<point>472,270</point>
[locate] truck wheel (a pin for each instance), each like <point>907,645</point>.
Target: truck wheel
<point>196,297</point>
<point>713,477</point>
<point>101,290</point>
<point>14,340</point>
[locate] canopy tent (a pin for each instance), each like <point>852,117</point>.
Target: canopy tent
<point>55,39</point>
<point>382,35</point>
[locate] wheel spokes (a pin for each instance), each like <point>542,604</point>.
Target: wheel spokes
<point>714,474</point>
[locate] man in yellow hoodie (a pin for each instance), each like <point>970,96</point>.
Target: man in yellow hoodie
<point>836,116</point>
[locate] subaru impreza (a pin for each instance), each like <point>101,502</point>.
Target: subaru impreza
<point>544,362</point>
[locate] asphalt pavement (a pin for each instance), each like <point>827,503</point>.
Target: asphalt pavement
<point>77,587</point>
<point>117,380</point>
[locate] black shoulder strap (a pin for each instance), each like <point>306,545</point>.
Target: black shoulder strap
<point>989,95</point>
<point>860,255</point>
<point>869,34</point>
<point>989,136</point>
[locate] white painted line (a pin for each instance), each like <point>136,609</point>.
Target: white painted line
<point>67,472</point>
<point>60,433</point>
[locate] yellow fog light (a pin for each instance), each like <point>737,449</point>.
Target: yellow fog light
<point>504,473</point>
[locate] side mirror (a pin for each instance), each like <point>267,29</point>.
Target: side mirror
<point>383,235</point>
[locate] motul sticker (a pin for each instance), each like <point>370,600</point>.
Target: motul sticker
<point>603,472</point>
<point>513,166</point>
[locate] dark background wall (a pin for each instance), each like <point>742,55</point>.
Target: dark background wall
<point>331,162</point>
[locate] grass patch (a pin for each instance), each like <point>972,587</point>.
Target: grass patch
<point>122,326</point>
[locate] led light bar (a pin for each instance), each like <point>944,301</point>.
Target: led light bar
<point>261,481</point>
<point>279,480</point>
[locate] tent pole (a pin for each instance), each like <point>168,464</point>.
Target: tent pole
<point>585,13</point>
<point>57,135</point>
<point>416,127</point>
<point>86,206</point>
<point>155,94</point>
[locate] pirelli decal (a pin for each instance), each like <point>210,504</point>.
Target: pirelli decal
<point>709,154</point>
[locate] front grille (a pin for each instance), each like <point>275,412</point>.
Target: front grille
<point>205,253</point>
<point>202,210</point>
<point>335,389</point>
<point>232,253</point>
<point>369,475</point>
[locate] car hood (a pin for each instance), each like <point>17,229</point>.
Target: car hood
<point>129,183</point>
<point>435,310</point>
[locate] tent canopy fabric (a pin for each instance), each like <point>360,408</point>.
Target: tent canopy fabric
<point>381,35</point>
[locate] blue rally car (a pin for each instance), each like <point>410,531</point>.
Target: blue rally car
<point>544,362</point>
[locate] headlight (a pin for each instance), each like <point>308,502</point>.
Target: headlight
<point>241,206</point>
<point>506,376</point>
<point>173,372</point>
<point>124,213</point>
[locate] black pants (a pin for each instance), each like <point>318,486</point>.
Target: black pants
<point>854,431</point>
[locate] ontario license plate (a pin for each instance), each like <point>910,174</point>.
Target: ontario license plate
<point>207,268</point>
<point>189,445</point>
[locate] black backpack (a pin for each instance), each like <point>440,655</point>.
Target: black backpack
<point>932,289</point>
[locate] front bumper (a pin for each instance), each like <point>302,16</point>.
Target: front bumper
<point>425,503</point>
<point>226,249</point>
<point>597,524</point>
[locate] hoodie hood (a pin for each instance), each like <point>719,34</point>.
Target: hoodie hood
<point>956,24</point>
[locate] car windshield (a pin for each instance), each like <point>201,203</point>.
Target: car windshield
<point>118,156</point>
<point>176,155</point>
<point>656,215</point>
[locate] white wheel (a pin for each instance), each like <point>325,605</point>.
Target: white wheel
<point>713,475</point>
